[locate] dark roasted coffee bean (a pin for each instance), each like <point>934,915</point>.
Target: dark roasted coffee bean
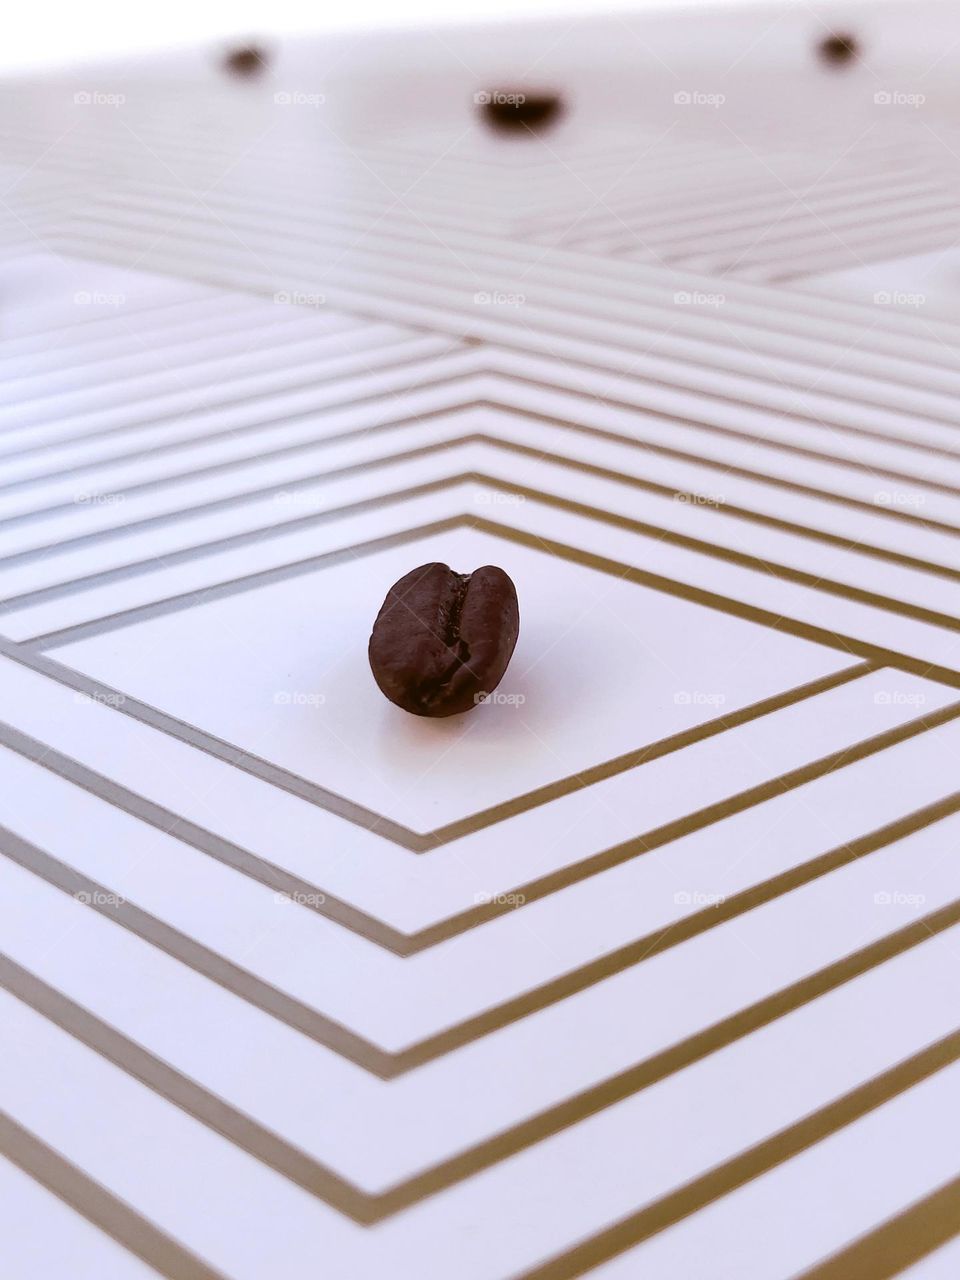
<point>838,49</point>
<point>519,112</point>
<point>442,640</point>
<point>246,61</point>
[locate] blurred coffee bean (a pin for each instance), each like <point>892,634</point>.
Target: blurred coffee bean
<point>518,112</point>
<point>838,49</point>
<point>247,61</point>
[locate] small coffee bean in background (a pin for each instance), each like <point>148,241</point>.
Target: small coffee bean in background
<point>246,61</point>
<point>838,49</point>
<point>442,640</point>
<point>517,112</point>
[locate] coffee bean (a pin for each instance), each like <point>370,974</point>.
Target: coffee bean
<point>838,49</point>
<point>442,639</point>
<point>246,61</point>
<point>521,113</point>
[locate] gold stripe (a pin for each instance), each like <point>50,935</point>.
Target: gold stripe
<point>88,1198</point>
<point>898,1243</point>
<point>754,1162</point>
<point>321,1181</point>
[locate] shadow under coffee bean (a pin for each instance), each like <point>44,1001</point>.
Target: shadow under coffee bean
<point>442,640</point>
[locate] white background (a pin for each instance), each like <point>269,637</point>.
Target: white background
<point>65,32</point>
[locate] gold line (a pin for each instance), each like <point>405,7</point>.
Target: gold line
<point>321,1181</point>
<point>768,442</point>
<point>114,1217</point>
<point>642,755</point>
<point>274,877</point>
<point>725,604</point>
<point>771,568</point>
<point>654,839</point>
<point>754,1162</point>
<point>728,509</point>
<point>897,1243</point>
<point>190,246</point>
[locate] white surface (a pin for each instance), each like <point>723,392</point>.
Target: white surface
<point>241,336</point>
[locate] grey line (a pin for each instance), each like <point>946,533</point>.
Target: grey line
<point>502,406</point>
<point>226,433</point>
<point>264,533</point>
<point>511,339</point>
<point>247,495</point>
<point>287,318</point>
<point>269,455</point>
<point>277,573</point>
<point>384,259</point>
<point>500,245</point>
